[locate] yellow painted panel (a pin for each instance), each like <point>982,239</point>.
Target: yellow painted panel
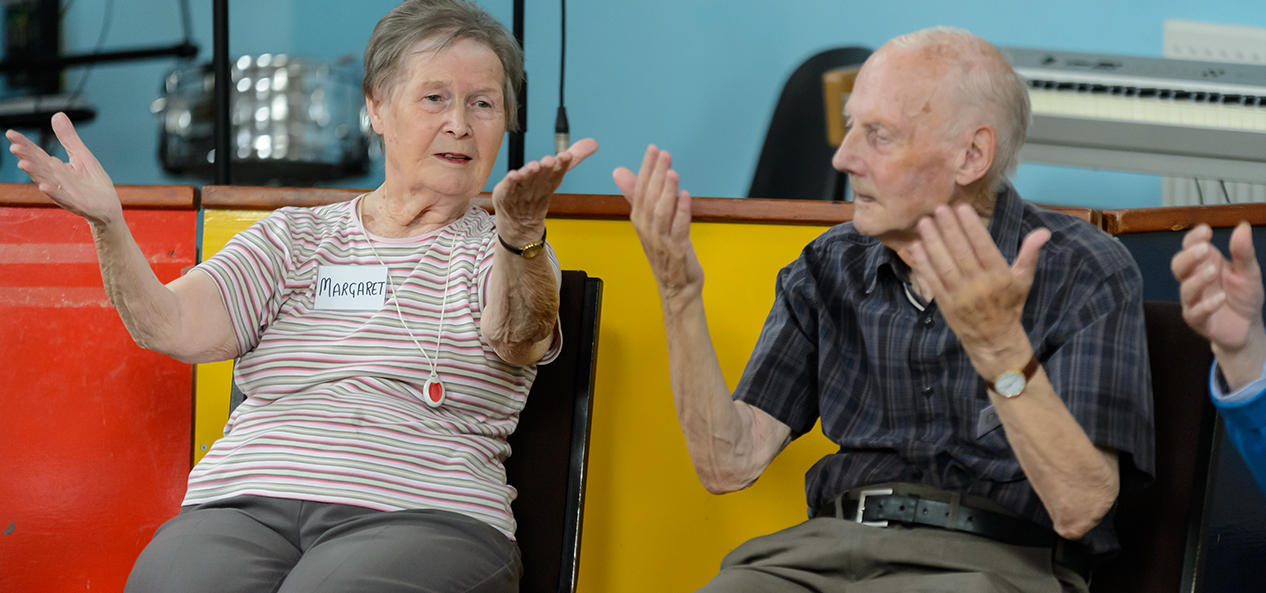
<point>649,524</point>
<point>214,381</point>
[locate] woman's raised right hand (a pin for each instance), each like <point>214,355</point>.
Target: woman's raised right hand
<point>79,185</point>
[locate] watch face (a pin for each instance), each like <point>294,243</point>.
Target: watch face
<point>1009,384</point>
<point>531,250</point>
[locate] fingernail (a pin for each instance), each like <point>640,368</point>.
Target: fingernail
<point>1200,249</point>
<point>1210,270</point>
<point>1217,298</point>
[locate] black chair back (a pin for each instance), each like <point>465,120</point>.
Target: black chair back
<point>1160,527</point>
<point>550,446</point>
<point>795,162</point>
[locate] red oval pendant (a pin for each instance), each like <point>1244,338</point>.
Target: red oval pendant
<point>434,392</point>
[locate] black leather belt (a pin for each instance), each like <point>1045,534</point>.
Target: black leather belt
<point>880,505</point>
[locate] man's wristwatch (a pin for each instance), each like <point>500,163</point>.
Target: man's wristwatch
<point>528,251</point>
<point>1012,383</point>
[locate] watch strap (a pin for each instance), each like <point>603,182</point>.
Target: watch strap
<point>519,250</point>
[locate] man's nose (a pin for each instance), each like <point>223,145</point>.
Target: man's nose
<point>845,159</point>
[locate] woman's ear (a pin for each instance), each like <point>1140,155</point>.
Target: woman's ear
<point>374,106</point>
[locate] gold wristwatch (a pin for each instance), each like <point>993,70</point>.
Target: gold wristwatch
<point>1012,383</point>
<point>528,251</point>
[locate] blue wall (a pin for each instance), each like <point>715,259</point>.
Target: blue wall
<point>699,78</point>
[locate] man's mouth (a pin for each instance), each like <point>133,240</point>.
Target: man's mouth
<point>453,157</point>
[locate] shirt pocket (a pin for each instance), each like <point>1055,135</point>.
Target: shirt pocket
<point>989,456</point>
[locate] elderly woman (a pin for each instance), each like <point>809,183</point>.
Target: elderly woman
<point>386,344</point>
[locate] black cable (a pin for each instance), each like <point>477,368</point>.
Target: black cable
<point>562,51</point>
<point>562,135</point>
<point>105,30</point>
<point>1199,192</point>
<point>1224,192</point>
<point>186,20</point>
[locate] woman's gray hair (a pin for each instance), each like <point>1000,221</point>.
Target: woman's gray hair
<point>987,85</point>
<point>443,21</point>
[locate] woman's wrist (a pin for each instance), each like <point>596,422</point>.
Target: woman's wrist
<point>520,234</point>
<point>1243,365</point>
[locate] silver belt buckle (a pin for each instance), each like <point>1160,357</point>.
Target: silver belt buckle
<point>861,505</point>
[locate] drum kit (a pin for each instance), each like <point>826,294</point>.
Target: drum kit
<point>295,121</point>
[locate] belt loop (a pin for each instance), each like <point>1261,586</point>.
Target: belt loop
<point>951,521</point>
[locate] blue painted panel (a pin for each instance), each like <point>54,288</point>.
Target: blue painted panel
<point>699,78</point>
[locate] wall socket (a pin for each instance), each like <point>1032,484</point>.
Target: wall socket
<point>1211,42</point>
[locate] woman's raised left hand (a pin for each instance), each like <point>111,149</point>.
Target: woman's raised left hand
<point>522,199</point>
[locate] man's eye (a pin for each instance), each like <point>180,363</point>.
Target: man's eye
<point>433,98</point>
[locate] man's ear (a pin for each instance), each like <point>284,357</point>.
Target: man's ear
<point>977,156</point>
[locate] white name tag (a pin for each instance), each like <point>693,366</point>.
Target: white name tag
<point>351,288</point>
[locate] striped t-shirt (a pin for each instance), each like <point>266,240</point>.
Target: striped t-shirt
<point>334,409</point>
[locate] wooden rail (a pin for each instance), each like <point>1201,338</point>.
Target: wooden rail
<point>1137,220</point>
<point>159,197</point>
<point>593,206</point>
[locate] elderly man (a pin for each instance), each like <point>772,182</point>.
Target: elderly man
<point>981,362</point>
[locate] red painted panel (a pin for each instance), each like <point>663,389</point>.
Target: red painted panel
<point>96,432</point>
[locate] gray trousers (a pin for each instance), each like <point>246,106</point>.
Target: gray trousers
<point>258,544</point>
<point>834,555</point>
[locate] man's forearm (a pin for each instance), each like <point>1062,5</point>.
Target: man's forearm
<point>522,307</point>
<point>730,443</point>
<point>1077,482</point>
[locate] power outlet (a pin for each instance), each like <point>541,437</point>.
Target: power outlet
<point>1211,42</point>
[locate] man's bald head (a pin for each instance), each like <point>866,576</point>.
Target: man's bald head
<point>985,90</point>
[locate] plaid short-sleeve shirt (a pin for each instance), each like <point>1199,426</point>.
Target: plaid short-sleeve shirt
<point>895,389</point>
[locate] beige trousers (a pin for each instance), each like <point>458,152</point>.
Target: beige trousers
<point>834,555</point>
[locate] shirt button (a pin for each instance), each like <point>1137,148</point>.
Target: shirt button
<point>928,390</point>
<point>927,322</point>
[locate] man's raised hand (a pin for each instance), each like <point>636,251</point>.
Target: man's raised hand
<point>661,216</point>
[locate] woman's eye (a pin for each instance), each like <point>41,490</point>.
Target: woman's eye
<point>433,98</point>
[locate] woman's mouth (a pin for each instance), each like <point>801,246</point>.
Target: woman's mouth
<point>453,157</point>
